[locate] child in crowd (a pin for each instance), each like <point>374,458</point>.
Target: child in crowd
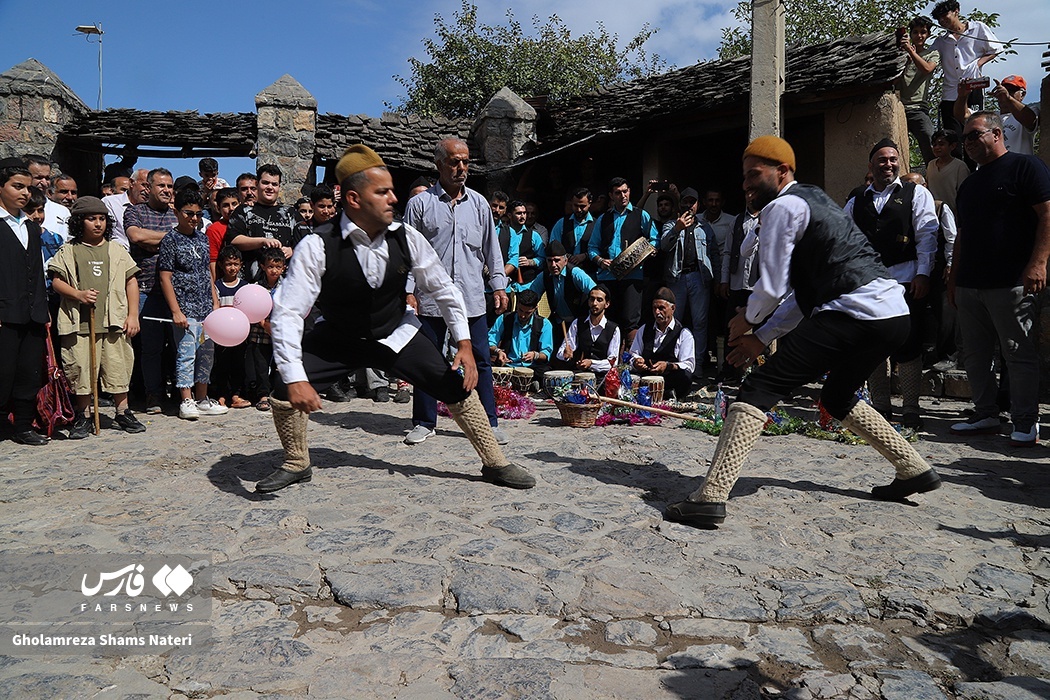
<point>50,242</point>
<point>259,355</point>
<point>305,207</point>
<point>182,265</point>
<point>94,275</point>
<point>225,202</point>
<point>227,375</point>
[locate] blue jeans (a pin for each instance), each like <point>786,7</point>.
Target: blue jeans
<point>424,406</point>
<point>193,355</point>
<point>692,293</point>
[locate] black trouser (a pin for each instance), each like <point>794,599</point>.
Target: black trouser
<point>912,346</point>
<point>257,361</point>
<point>829,341</point>
<point>626,308</point>
<point>329,355</point>
<point>227,372</point>
<point>22,349</point>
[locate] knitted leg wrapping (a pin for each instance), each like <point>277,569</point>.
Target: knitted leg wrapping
<point>470,417</point>
<point>291,429</point>
<point>865,421</point>
<point>879,387</point>
<point>742,427</point>
<point>911,382</point>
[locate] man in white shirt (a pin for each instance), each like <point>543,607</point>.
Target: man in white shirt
<point>355,270</point>
<point>1019,120</point>
<point>821,279</point>
<point>55,214</point>
<point>117,204</point>
<point>964,47</point>
<point>900,222</point>
<point>665,348</point>
<point>592,344</point>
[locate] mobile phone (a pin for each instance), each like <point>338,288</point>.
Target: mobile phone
<point>661,185</point>
<point>977,83</point>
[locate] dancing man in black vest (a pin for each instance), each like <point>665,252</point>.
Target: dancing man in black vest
<point>665,347</point>
<point>593,341</point>
<point>355,269</point>
<point>901,223</point>
<point>821,278</point>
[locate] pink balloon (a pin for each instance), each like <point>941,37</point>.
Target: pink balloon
<point>255,301</point>
<point>227,326</point>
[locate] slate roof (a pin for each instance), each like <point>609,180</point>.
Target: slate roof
<point>811,71</point>
<point>31,77</point>
<point>182,129</point>
<point>403,140</point>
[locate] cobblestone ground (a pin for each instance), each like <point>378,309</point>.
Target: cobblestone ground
<point>398,573</point>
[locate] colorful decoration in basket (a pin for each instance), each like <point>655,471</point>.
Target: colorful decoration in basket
<point>510,405</point>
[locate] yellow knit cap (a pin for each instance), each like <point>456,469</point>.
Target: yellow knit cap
<point>355,159</point>
<point>772,148</point>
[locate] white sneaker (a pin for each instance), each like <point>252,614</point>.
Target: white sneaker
<point>1025,438</point>
<point>501,437</point>
<point>977,426</point>
<point>188,410</point>
<point>209,407</point>
<point>418,434</point>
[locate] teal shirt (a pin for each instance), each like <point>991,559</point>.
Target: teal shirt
<point>521,337</point>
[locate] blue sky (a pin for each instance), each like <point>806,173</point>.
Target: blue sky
<point>214,57</point>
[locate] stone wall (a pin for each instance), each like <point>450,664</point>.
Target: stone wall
<point>34,106</point>
<point>849,133</point>
<point>504,131</point>
<point>287,116</point>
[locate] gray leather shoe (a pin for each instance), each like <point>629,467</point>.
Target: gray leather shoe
<point>512,476</point>
<point>703,515</point>
<point>281,478</point>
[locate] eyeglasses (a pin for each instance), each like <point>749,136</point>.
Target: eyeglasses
<point>191,214</point>
<point>976,134</point>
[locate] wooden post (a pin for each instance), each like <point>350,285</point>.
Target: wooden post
<point>767,68</point>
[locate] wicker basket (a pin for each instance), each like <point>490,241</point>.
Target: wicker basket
<point>578,415</point>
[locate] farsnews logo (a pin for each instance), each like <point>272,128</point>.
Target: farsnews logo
<point>130,580</point>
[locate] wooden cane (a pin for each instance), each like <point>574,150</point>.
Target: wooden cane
<point>650,409</point>
<point>94,371</point>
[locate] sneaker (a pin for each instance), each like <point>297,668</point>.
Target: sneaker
<point>977,426</point>
<point>1025,438</point>
<point>418,434</point>
<point>127,422</point>
<point>81,428</point>
<point>501,437</point>
<point>188,410</point>
<point>211,407</point>
<point>404,394</point>
<point>153,404</point>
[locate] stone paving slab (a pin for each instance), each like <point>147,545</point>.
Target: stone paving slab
<point>398,573</point>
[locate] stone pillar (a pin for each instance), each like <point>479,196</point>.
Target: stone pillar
<point>34,106</point>
<point>767,68</point>
<point>504,131</point>
<point>287,116</point>
<point>849,133</point>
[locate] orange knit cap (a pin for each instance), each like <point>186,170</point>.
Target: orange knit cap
<point>772,148</point>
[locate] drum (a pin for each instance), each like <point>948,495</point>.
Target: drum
<point>656,387</point>
<point>501,376</point>
<point>586,379</point>
<point>630,258</point>
<point>557,382</point>
<point>520,379</point>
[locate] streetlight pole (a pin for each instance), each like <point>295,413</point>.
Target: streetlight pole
<point>95,29</point>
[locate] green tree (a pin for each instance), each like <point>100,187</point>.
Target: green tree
<point>469,61</point>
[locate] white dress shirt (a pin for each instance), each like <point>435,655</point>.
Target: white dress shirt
<point>596,330</point>
<point>300,289</point>
<point>19,225</point>
<point>56,219</point>
<point>923,221</point>
<point>117,204</point>
<point>784,221</point>
<point>684,348</point>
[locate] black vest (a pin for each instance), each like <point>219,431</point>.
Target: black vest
<point>890,231</point>
<point>508,331</point>
<point>568,234</point>
<point>598,349</point>
<point>346,298</point>
<point>833,257</point>
<point>23,298</point>
<point>630,231</point>
<point>573,296</point>
<point>525,248</point>
<point>664,353</point>
<point>735,244</point>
